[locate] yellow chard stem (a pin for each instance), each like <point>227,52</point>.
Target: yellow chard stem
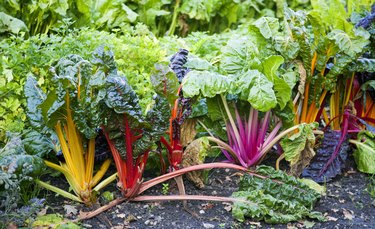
<point>90,157</point>
<point>67,173</point>
<point>58,191</point>
<point>75,143</point>
<point>100,173</point>
<point>105,182</point>
<point>65,150</point>
<point>348,91</point>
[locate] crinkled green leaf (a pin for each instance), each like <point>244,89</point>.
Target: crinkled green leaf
<point>14,160</point>
<point>267,26</point>
<point>205,83</point>
<point>239,55</point>
<point>254,87</point>
<point>295,144</point>
<point>287,47</point>
<point>121,97</point>
<point>364,153</point>
<point>348,45</point>
<point>196,63</point>
<point>37,143</point>
<point>363,65</point>
<point>279,198</point>
<point>121,102</point>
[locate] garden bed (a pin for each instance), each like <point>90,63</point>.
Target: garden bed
<point>346,204</point>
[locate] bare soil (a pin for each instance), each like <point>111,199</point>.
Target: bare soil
<point>346,205</point>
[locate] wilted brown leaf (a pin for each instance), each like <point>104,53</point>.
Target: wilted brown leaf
<point>348,214</point>
<point>188,132</point>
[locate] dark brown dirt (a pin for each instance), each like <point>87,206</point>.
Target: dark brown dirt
<point>346,205</point>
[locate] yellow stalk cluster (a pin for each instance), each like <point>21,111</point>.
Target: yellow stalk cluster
<point>78,167</point>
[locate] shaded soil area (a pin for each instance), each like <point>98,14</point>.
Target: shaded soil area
<point>347,204</point>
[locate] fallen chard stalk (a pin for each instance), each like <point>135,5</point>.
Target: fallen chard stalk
<point>72,111</point>
<point>294,199</point>
<point>143,186</point>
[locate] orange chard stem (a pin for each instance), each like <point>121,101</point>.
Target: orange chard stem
<point>307,88</point>
<point>305,103</point>
<point>313,110</point>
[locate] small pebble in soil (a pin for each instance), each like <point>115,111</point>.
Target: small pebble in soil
<point>202,212</point>
<point>208,225</point>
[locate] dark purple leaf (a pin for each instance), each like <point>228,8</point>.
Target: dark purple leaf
<point>323,155</point>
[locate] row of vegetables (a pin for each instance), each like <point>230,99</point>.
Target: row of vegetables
<point>272,85</point>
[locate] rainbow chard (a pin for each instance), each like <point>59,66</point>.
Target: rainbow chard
<point>167,83</point>
<point>72,111</point>
<point>241,92</point>
<point>129,134</point>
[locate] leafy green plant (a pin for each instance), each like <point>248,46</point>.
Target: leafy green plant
<point>18,170</point>
<point>131,143</point>
<point>165,189</point>
<point>72,110</point>
<point>281,201</point>
<point>251,77</point>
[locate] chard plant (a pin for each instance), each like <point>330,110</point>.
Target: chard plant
<point>325,50</point>
<point>129,134</point>
<point>241,93</point>
<point>167,83</point>
<point>72,111</point>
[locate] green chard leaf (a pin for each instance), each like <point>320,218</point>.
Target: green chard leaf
<point>11,24</point>
<point>254,87</point>
<point>239,55</point>
<point>15,160</point>
<point>37,143</point>
<point>165,82</point>
<point>268,26</point>
<point>362,65</point>
<point>34,96</point>
<point>205,83</point>
<point>278,198</point>
<point>364,154</point>
<point>121,97</point>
